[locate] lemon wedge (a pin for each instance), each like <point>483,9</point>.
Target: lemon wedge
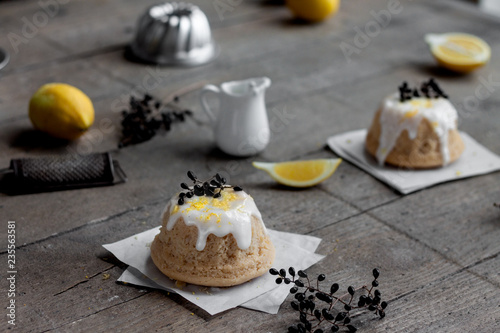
<point>300,173</point>
<point>459,52</point>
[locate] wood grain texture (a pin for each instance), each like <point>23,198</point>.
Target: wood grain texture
<point>17,90</point>
<point>450,305</point>
<point>463,225</point>
<point>352,248</point>
<point>437,249</point>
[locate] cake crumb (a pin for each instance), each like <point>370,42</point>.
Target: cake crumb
<point>205,290</point>
<point>180,284</point>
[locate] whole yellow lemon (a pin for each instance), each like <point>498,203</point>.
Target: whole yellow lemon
<point>313,10</point>
<point>61,110</point>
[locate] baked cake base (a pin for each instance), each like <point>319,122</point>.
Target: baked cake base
<point>420,153</point>
<point>221,263</point>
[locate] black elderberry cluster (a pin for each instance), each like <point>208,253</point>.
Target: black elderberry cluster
<point>146,117</point>
<point>212,187</point>
<point>317,308</point>
<point>429,89</point>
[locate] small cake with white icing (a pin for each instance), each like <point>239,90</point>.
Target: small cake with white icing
<point>415,128</point>
<point>212,234</point>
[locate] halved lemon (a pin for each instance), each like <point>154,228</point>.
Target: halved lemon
<point>459,52</point>
<point>304,173</point>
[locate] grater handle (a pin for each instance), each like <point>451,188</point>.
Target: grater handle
<point>122,177</point>
<point>6,171</point>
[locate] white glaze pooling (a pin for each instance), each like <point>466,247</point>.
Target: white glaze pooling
<point>230,214</point>
<point>397,116</point>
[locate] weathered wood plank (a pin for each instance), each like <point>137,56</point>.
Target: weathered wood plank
<point>77,27</point>
<point>16,90</point>
<point>155,170</point>
<point>353,185</point>
<point>438,249</point>
<point>456,219</point>
<point>21,55</point>
<point>461,301</point>
<point>353,246</point>
<point>489,269</point>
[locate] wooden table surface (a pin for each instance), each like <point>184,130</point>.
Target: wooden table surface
<point>437,249</point>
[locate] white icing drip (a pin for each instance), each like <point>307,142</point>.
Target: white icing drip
<point>230,214</point>
<point>398,116</point>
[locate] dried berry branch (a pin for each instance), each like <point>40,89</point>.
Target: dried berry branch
<point>429,89</point>
<point>312,319</point>
<point>146,117</point>
<point>211,187</point>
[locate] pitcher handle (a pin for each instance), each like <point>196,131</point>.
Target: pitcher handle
<point>210,88</point>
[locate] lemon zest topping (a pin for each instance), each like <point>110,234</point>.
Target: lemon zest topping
<point>206,205</point>
<point>411,113</point>
<point>421,102</point>
<point>200,203</point>
<point>209,217</point>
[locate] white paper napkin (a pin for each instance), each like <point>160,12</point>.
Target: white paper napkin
<point>261,294</point>
<point>475,160</point>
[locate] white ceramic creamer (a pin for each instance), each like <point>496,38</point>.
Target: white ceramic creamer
<point>241,127</point>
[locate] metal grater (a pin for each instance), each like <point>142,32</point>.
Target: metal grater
<point>55,173</point>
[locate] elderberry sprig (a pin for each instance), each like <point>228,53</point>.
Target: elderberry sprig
<point>146,117</point>
<point>429,89</point>
<point>314,319</point>
<point>211,187</point>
